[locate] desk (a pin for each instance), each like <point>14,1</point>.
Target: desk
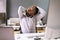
<point>28,36</point>
<point>31,36</point>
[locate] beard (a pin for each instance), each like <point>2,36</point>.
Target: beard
<point>27,14</point>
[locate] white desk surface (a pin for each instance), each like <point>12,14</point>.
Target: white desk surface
<point>28,36</point>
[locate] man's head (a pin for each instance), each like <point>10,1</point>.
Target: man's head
<point>31,11</point>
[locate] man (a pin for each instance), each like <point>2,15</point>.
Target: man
<point>29,17</point>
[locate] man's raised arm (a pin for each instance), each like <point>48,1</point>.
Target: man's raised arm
<point>21,11</point>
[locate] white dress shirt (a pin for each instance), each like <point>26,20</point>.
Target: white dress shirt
<point>28,24</point>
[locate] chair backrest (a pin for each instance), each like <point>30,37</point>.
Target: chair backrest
<point>6,33</point>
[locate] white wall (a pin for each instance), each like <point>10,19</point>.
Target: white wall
<point>3,6</point>
<point>54,14</point>
<point>14,4</point>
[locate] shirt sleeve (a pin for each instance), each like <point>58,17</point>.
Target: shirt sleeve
<point>41,14</point>
<point>21,12</point>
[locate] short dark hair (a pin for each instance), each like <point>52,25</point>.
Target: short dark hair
<point>36,10</point>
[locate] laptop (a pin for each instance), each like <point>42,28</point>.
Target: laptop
<point>6,33</point>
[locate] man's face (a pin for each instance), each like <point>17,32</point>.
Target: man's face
<point>31,11</point>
